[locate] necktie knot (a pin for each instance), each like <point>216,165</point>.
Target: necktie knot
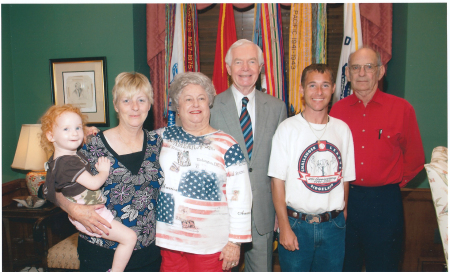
<point>244,101</point>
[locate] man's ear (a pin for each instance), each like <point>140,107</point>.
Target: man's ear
<point>49,136</point>
<point>228,69</point>
<point>347,73</point>
<point>302,91</point>
<point>381,72</point>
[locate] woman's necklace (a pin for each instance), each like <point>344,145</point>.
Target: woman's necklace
<point>131,149</point>
<point>324,129</point>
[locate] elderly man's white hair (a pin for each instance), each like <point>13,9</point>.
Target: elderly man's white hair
<point>241,42</point>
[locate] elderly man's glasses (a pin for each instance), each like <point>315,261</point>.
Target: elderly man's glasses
<point>368,68</point>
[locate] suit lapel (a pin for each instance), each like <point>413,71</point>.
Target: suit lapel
<point>231,117</point>
<point>261,116</point>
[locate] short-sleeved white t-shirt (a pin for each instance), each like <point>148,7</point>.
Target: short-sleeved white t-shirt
<point>313,173</point>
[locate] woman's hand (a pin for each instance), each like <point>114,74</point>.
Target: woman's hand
<point>88,131</point>
<point>86,215</point>
<point>230,255</point>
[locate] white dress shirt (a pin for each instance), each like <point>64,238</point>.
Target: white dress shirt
<point>251,105</point>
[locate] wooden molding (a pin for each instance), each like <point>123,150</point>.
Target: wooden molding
<point>12,189</point>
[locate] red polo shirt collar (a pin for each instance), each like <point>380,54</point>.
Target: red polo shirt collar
<point>377,98</point>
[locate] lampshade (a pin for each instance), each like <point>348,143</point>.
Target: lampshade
<point>29,153</point>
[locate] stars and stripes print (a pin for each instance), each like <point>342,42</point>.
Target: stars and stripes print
<point>200,185</point>
<point>194,210</point>
<point>179,135</point>
<point>166,206</point>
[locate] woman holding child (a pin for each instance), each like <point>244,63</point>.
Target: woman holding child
<point>133,183</point>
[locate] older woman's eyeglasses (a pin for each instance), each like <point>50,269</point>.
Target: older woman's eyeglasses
<point>368,68</point>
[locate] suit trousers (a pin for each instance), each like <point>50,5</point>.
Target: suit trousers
<point>258,254</point>
<point>374,236</point>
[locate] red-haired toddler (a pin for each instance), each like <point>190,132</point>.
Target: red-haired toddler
<point>69,172</point>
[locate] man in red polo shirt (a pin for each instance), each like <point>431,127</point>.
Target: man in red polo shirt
<point>388,154</point>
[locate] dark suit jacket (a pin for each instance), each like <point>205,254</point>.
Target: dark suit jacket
<point>270,112</point>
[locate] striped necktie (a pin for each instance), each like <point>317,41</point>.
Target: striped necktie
<point>246,125</point>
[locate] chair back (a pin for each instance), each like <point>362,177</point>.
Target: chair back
<point>437,171</point>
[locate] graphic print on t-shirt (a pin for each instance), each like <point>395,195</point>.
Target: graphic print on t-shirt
<point>320,167</point>
<point>198,180</point>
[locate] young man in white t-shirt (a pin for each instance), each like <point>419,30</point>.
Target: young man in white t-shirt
<point>311,164</point>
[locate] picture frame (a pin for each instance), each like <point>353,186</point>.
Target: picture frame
<point>82,82</point>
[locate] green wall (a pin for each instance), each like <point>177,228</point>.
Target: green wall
<point>418,71</point>
<point>9,137</point>
<point>33,34</point>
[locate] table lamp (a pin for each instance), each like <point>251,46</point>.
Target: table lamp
<point>30,156</point>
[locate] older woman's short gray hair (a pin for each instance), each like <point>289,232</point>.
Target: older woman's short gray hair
<point>241,42</point>
<point>183,80</point>
<point>130,84</point>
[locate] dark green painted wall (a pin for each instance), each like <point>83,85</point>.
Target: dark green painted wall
<point>33,34</point>
<point>9,137</point>
<point>418,71</point>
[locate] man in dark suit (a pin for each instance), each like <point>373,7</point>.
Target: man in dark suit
<point>244,61</point>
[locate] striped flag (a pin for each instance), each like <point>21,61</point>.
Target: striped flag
<point>300,51</point>
<point>226,36</point>
<point>319,46</point>
<point>272,40</point>
<point>191,58</point>
<point>177,60</point>
<point>352,41</point>
<point>257,32</point>
<point>267,48</point>
<point>170,24</point>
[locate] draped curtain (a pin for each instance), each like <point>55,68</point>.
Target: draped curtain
<point>156,57</point>
<point>376,27</point>
<point>376,24</point>
<point>156,35</point>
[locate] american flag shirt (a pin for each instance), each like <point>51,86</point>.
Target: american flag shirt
<point>206,198</point>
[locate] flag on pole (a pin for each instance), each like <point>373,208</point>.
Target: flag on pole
<point>226,36</point>
<point>319,30</point>
<point>300,52</point>
<point>272,40</point>
<point>257,32</point>
<point>177,60</point>
<point>267,48</point>
<point>170,25</point>
<point>191,57</point>
<point>352,41</point>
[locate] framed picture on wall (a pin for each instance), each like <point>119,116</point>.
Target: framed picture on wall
<point>82,82</point>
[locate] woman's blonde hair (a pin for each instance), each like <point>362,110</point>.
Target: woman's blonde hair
<point>130,84</point>
<point>48,121</point>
